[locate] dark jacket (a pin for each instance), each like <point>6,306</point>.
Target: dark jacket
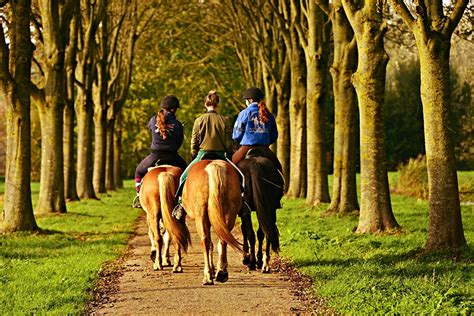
<point>175,134</point>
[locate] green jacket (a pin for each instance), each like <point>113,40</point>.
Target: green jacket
<point>211,132</point>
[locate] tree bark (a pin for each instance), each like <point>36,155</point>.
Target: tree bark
<point>433,33</point>
<point>70,192</point>
<point>118,153</point>
<point>344,189</point>
<point>109,170</point>
<point>317,54</point>
<point>15,74</point>
<point>369,81</point>
<point>283,124</point>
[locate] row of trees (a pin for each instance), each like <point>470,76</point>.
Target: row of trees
<point>287,47</point>
<point>74,59</point>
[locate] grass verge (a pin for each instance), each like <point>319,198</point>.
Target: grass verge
<point>54,270</point>
<point>378,274</point>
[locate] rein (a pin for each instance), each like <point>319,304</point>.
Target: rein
<point>268,181</point>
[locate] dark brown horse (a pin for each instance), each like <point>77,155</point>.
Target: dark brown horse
<point>211,196</point>
<point>264,189</point>
<point>157,199</point>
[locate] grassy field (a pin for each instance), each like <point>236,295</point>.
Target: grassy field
<point>379,274</point>
<point>54,271</point>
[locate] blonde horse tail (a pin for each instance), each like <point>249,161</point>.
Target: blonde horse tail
<point>217,176</point>
<point>178,230</point>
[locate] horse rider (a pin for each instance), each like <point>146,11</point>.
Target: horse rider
<point>212,133</point>
<point>255,127</point>
<point>167,137</point>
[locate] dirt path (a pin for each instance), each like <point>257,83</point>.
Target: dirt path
<point>140,290</point>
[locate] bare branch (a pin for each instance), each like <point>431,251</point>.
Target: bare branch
<point>453,20</point>
<point>401,8</point>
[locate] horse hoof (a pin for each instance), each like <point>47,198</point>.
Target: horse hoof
<point>178,269</point>
<point>153,255</point>
<point>266,269</point>
<point>157,267</point>
<point>207,281</point>
<point>167,262</point>
<point>252,267</point>
<point>222,276</point>
<point>259,264</point>
<point>246,260</point>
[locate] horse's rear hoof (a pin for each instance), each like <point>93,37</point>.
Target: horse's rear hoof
<point>207,281</point>
<point>222,276</point>
<point>246,260</point>
<point>153,255</point>
<point>178,269</point>
<point>259,264</point>
<point>252,267</point>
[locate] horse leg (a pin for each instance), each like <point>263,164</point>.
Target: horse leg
<point>204,231</point>
<point>260,236</point>
<point>177,268</point>
<point>158,241</point>
<point>246,255</point>
<point>166,250</point>
<point>266,259</point>
<point>249,242</point>
<point>151,235</point>
<point>222,275</point>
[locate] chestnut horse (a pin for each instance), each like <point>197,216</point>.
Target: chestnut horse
<point>265,188</point>
<point>157,199</point>
<point>211,196</point>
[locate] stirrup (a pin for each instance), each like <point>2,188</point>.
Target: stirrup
<point>178,212</point>
<point>136,202</point>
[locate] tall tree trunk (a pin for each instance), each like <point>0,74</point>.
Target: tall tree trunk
<point>297,109</point>
<point>100,150</point>
<point>317,55</point>
<point>51,195</point>
<point>344,189</point>
<point>118,153</point>
<point>15,85</point>
<point>84,109</point>
<point>433,31</point>
<point>445,228</point>
<point>70,192</point>
<point>369,81</point>
<point>283,124</point>
<point>110,161</point>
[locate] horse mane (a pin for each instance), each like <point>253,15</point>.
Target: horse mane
<point>217,172</point>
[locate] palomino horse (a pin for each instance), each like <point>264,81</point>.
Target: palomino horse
<point>157,199</point>
<point>211,196</point>
<point>265,186</point>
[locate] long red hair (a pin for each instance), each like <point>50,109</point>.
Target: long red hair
<point>263,112</point>
<point>160,123</point>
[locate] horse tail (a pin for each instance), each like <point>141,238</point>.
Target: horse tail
<point>264,205</point>
<point>178,230</point>
<point>217,189</point>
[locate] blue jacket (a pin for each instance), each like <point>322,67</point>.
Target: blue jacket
<point>175,134</point>
<point>249,130</point>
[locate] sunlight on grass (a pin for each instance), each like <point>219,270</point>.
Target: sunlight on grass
<point>379,274</point>
<point>54,270</point>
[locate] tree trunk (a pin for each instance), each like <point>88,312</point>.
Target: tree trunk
<point>84,108</point>
<point>369,81</point>
<point>118,153</point>
<point>344,189</point>
<point>110,161</point>
<point>297,106</point>
<point>17,207</point>
<point>100,147</point>
<point>317,55</point>
<point>51,196</point>
<point>70,192</point>
<point>445,228</point>
<point>283,124</point>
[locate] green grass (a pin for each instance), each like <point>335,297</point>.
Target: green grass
<point>379,274</point>
<point>54,271</point>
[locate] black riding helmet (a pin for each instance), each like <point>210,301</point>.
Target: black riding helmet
<point>169,102</point>
<point>253,93</point>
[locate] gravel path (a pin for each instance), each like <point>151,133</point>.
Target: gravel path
<point>137,289</point>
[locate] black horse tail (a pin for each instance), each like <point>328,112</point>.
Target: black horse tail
<point>265,198</point>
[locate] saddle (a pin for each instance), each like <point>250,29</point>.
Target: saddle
<point>211,156</point>
<point>255,152</point>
